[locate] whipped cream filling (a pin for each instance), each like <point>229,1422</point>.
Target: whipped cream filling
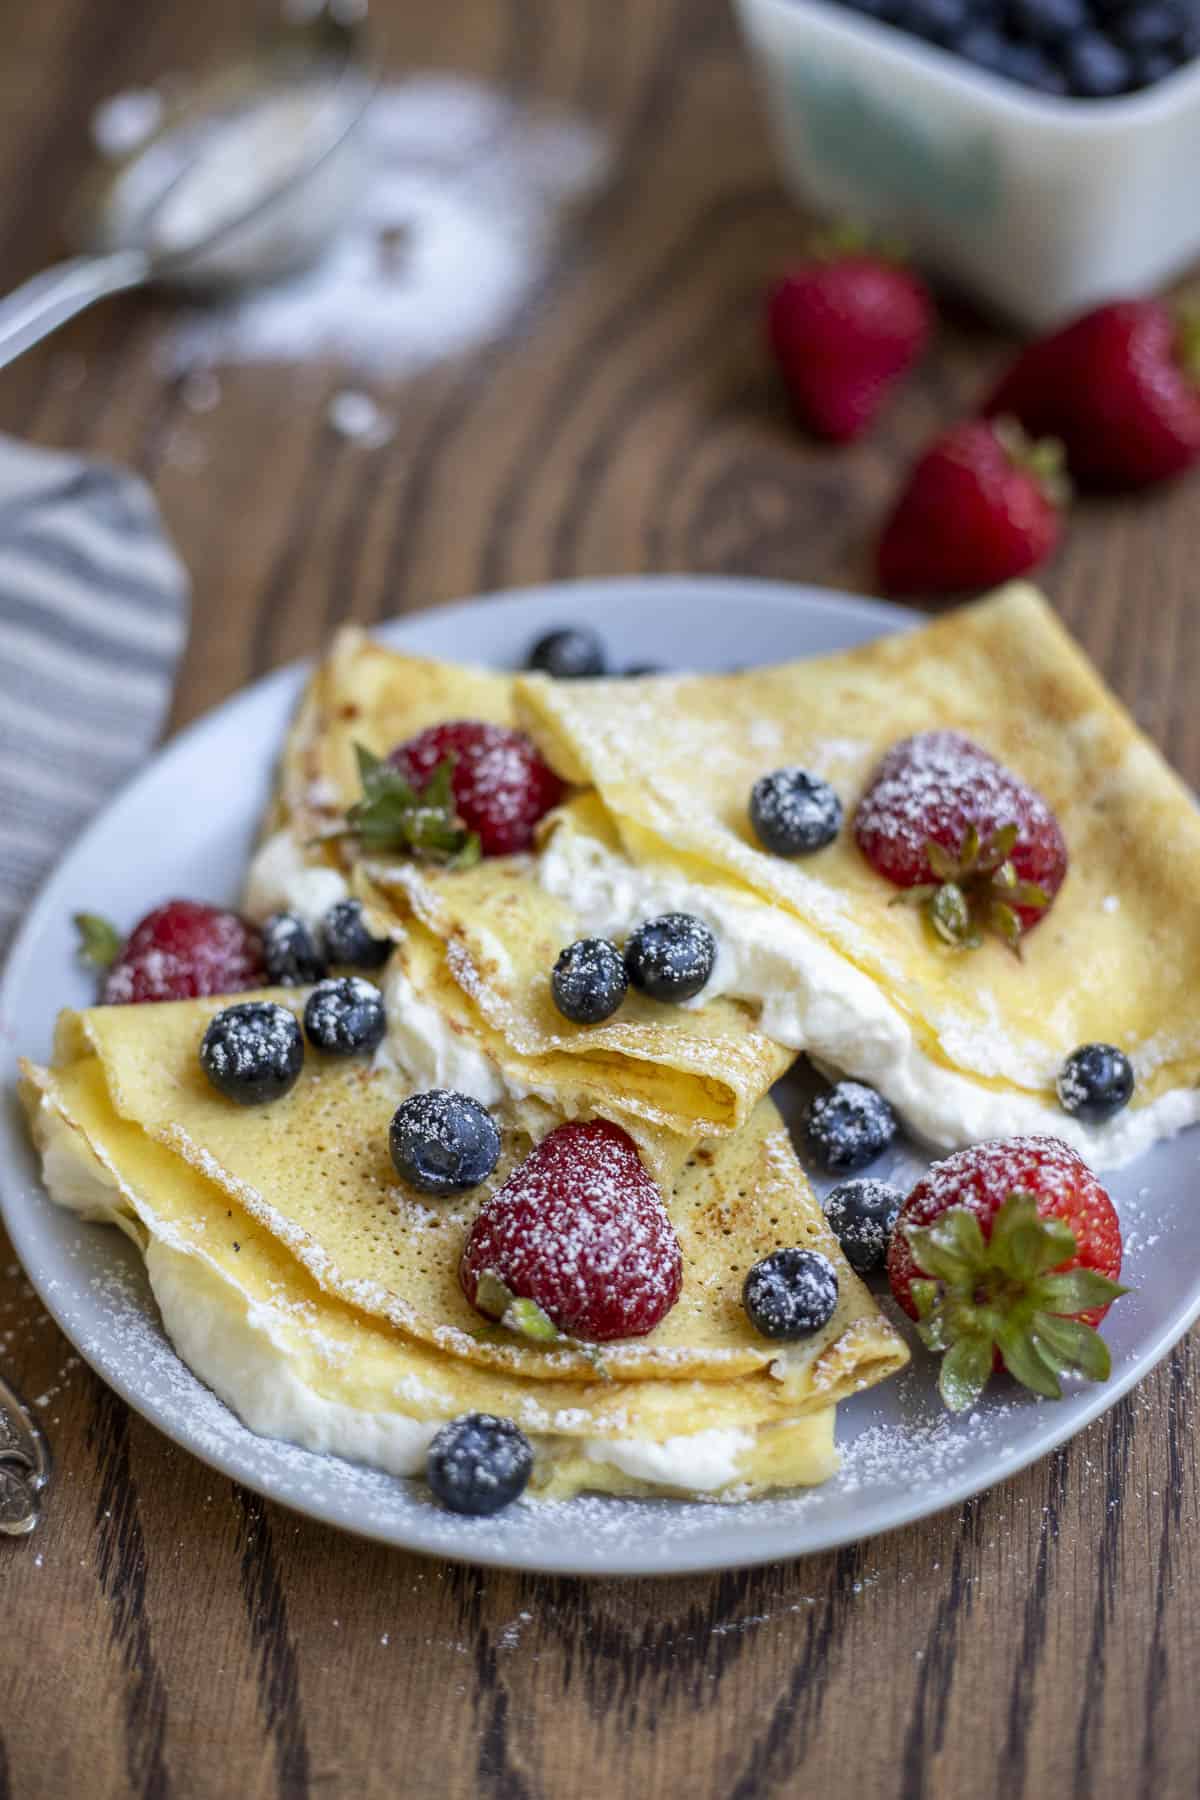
<point>812,999</point>
<point>422,1045</point>
<point>280,880</point>
<point>234,1345</point>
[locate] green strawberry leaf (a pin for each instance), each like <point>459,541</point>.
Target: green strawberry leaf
<point>394,816</point>
<point>964,1372</point>
<point>527,1319</point>
<point>935,1251</point>
<point>1022,1359</point>
<point>100,943</point>
<point>1076,1348</point>
<point>1076,1291</point>
<point>1024,1244</point>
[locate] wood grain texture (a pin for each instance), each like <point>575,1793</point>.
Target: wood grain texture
<point>167,1634</point>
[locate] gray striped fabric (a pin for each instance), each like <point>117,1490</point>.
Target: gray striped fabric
<point>93,614</point>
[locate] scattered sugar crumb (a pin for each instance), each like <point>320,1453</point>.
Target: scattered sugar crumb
<point>355,416</point>
<point>124,121</point>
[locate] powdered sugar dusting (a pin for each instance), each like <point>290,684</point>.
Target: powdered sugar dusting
<point>451,224</point>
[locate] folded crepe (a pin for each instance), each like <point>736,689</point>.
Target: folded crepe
<point>298,1363</point>
<point>312,1171</point>
<point>492,929</point>
<point>1115,960</point>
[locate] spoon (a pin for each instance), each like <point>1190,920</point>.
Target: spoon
<point>246,179</point>
<point>24,1464</point>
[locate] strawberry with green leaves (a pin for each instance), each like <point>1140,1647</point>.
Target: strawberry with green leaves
<point>1007,1255</point>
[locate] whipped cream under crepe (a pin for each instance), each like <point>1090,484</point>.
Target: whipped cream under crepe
<point>813,999</point>
<point>281,880</point>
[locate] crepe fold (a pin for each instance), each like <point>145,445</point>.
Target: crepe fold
<point>219,1274</point>
<point>1117,958</point>
<point>312,1172</point>
<point>493,934</point>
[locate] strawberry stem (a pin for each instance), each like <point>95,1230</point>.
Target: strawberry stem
<point>1043,458</point>
<point>1010,1293</point>
<point>976,891</point>
<point>100,943</point>
<point>1187,336</point>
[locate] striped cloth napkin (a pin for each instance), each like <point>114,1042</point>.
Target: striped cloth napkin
<point>93,614</point>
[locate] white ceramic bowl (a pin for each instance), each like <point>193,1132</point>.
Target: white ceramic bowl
<point>1039,206</point>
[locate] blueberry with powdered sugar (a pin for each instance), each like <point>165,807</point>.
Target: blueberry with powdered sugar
<point>791,1293</point>
<point>1095,1082</point>
<point>348,941</point>
<point>569,653</point>
<point>672,957</point>
<point>589,981</point>
<point>848,1127</point>
<point>794,813</point>
<point>345,1015</point>
<point>479,1464</point>
<point>290,952</point>
<point>862,1217</point>
<point>253,1053</point>
<point>442,1142</point>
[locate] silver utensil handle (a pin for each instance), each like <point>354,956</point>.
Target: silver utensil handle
<point>46,301</point>
<point>21,1438</point>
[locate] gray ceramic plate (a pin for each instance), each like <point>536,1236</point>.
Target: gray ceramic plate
<point>186,826</point>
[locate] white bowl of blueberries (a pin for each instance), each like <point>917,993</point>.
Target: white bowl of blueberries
<point>1041,153</point>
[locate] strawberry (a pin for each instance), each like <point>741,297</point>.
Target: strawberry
<point>844,330</point>
<point>1120,387</point>
<point>180,950</point>
<point>968,840</point>
<point>500,785</point>
<point>1007,1255</point>
<point>981,505</point>
<point>580,1231</point>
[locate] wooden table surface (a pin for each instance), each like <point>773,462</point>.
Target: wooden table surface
<point>169,1634</point>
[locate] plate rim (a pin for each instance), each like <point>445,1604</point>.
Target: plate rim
<point>671,589</point>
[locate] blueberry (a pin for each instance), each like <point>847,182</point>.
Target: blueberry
<point>791,1293</point>
<point>479,1464</point>
<point>671,958</point>
<point>253,1052</point>
<point>794,813</point>
<point>1095,1082</point>
<point>940,21</point>
<point>862,1217</point>
<point>443,1143</point>
<point>984,46</point>
<point>347,940</point>
<point>848,1127</point>
<point>1151,66</point>
<point>1096,68</point>
<point>290,952</point>
<point>345,1015</point>
<point>1048,21</point>
<point>569,653</point>
<point>636,669</point>
<point>1153,27</point>
<point>589,981</point>
<point>1032,67</point>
